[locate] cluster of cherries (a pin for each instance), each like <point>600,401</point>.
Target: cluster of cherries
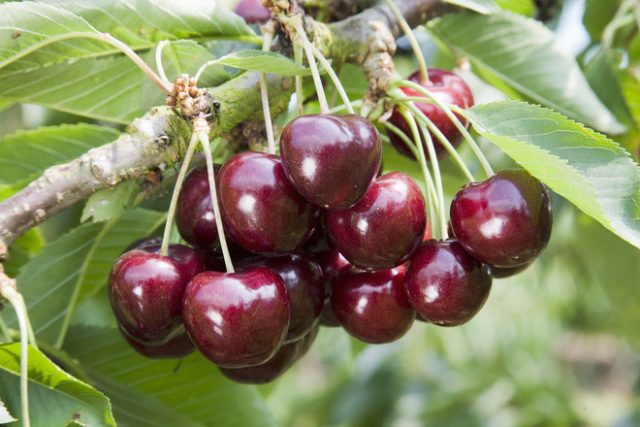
<point>319,238</point>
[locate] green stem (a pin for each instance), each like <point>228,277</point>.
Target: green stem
<point>317,80</point>
<point>159,65</point>
<point>201,128</point>
<point>454,119</point>
<point>342,107</point>
<point>264,95</point>
<point>334,77</point>
<point>415,46</point>
<point>166,236</point>
<point>422,160</point>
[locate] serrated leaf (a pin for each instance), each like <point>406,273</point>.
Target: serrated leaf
<point>265,62</point>
<point>75,266</point>
<point>23,249</point>
<point>479,6</point>
<point>27,154</point>
<point>525,54</point>
<point>111,89</point>
<point>109,203</point>
<point>591,171</point>
<point>193,387</point>
<point>5,416</point>
<point>55,397</point>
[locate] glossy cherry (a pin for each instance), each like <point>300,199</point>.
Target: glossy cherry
<point>504,221</point>
<point>184,255</point>
<point>372,306</point>
<point>331,159</point>
<point>262,212</point>
<point>305,286</point>
<point>503,273</point>
<point>384,228</point>
<point>237,319</point>
<point>446,87</point>
<point>331,263</point>
<point>445,284</point>
<point>145,291</point>
<point>194,214</point>
<point>252,11</point>
<point>145,241</point>
<point>176,348</point>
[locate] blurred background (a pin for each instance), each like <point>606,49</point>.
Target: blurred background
<point>554,346</point>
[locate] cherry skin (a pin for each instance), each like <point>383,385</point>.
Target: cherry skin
<point>262,212</point>
<point>331,159</point>
<point>504,221</point>
<point>503,273</point>
<point>252,11</point>
<point>445,284</point>
<point>384,228</point>
<point>372,306</point>
<point>184,255</point>
<point>176,348</point>
<point>305,286</point>
<point>194,214</point>
<point>331,263</point>
<point>237,319</point>
<point>145,291</point>
<point>141,243</point>
<point>447,87</point>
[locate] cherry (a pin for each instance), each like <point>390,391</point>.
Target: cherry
<point>262,212</point>
<point>448,88</point>
<point>175,348</point>
<point>141,243</point>
<point>445,284</point>
<point>504,221</point>
<point>252,11</point>
<point>145,291</point>
<point>372,306</point>
<point>331,262</point>
<point>305,286</point>
<point>184,255</point>
<point>194,214</point>
<point>237,319</point>
<point>503,273</point>
<point>384,228</point>
<point>331,159</point>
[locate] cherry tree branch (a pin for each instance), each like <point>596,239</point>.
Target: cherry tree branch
<point>158,139</point>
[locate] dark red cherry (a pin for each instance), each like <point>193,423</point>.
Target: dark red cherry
<point>252,11</point>
<point>237,319</point>
<point>176,348</point>
<point>305,286</point>
<point>445,284</point>
<point>141,243</point>
<point>384,228</point>
<point>262,212</point>
<point>184,255</point>
<point>145,291</point>
<point>194,215</point>
<point>503,273</point>
<point>504,221</point>
<point>447,87</point>
<point>331,262</point>
<point>372,306</point>
<point>331,159</point>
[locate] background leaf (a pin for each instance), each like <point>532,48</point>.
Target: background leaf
<point>480,6</point>
<point>265,62</point>
<point>5,416</point>
<point>109,203</point>
<point>589,170</point>
<point>525,55</point>
<point>55,397</point>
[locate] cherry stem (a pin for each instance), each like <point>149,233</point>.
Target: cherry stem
<point>201,128</point>
<point>458,124</point>
<point>413,42</point>
<point>159,65</point>
<point>317,80</point>
<point>334,77</point>
<point>8,291</point>
<point>434,204</point>
<point>409,102</point>
<point>173,205</point>
<point>264,91</point>
<point>412,147</point>
<point>297,54</point>
<point>342,107</point>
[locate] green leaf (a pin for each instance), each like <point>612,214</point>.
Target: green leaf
<point>525,54</point>
<point>591,171</point>
<point>192,386</point>
<point>76,266</point>
<point>523,7</point>
<point>597,15</point>
<point>5,416</point>
<point>26,154</point>
<point>55,397</point>
<point>265,62</point>
<point>109,203</point>
<point>23,249</point>
<point>479,6</point>
<point>111,89</point>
